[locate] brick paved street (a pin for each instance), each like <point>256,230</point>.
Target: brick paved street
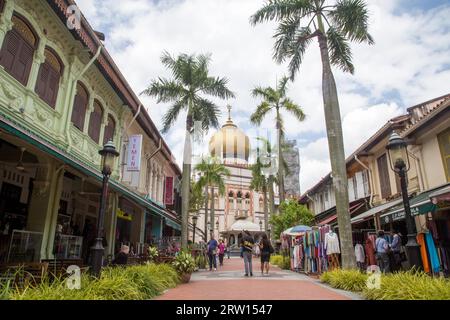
<point>229,283</point>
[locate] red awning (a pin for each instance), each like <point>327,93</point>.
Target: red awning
<point>328,220</point>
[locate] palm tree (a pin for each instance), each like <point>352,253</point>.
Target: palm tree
<point>190,81</point>
<point>212,176</point>
<point>259,183</point>
<point>275,99</point>
<point>334,26</point>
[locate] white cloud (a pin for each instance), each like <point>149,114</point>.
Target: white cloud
<point>409,62</point>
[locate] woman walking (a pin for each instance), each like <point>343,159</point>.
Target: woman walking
<point>266,251</point>
<point>221,248</point>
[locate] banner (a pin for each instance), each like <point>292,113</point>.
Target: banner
<point>134,153</point>
<point>168,191</point>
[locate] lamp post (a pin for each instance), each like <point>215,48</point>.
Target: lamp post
<point>260,225</point>
<point>108,154</point>
<point>194,223</point>
<point>399,162</point>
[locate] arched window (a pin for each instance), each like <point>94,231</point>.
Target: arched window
<point>95,121</point>
<point>216,201</point>
<point>16,55</point>
<point>109,130</point>
<point>79,106</point>
<point>261,203</point>
<point>47,83</point>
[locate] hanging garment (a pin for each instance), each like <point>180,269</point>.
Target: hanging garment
<point>370,253</point>
<point>423,252</point>
<point>359,253</point>
<point>332,243</point>
<point>434,259</point>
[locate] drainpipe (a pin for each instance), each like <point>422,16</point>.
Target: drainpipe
<point>370,179</point>
<point>73,90</point>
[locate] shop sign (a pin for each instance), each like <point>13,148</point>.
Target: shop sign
<point>134,153</point>
<point>168,199</point>
<point>123,215</point>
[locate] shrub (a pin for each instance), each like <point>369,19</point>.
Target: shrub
<point>410,286</point>
<point>152,253</point>
<point>281,261</point>
<point>351,280</point>
<point>116,283</point>
<point>5,290</point>
<point>200,261</point>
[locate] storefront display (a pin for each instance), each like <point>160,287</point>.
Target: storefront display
<point>25,246</point>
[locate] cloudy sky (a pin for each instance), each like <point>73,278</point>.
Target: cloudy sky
<point>409,64</point>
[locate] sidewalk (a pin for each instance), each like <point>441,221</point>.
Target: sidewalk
<point>229,283</point>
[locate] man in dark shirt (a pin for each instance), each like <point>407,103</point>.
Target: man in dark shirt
<point>246,252</point>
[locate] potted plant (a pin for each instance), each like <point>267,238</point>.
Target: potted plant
<point>184,264</point>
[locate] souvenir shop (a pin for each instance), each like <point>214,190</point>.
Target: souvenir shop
<point>312,251</point>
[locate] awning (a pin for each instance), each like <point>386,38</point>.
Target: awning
<point>441,194</point>
<point>172,224</point>
<point>328,220</point>
<point>371,212</point>
<point>420,204</point>
<point>353,207</point>
<point>41,143</point>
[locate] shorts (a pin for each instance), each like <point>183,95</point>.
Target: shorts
<point>265,257</point>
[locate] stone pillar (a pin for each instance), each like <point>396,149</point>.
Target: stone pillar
<point>44,205</point>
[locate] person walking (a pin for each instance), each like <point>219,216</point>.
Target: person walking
<point>221,248</point>
<point>246,252</point>
<point>382,247</point>
<point>396,248</point>
<point>212,252</point>
<point>227,250</point>
<point>266,250</point>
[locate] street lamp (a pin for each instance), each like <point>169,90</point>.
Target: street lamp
<point>194,223</point>
<point>260,225</point>
<point>108,154</point>
<point>399,162</point>
<point>217,224</point>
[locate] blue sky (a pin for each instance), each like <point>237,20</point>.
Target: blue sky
<point>408,64</point>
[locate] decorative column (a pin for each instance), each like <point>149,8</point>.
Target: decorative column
<point>39,58</point>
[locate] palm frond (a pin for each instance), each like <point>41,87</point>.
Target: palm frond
<point>294,109</point>
<point>217,87</point>
<point>164,90</point>
<point>282,86</point>
<point>340,52</point>
<point>282,9</point>
<point>351,18</point>
<point>206,111</point>
<point>261,111</point>
<point>284,36</point>
<point>297,49</point>
<point>172,114</point>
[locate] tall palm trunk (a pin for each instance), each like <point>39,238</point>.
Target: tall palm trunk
<point>211,210</point>
<point>271,201</point>
<point>206,214</point>
<point>337,156</point>
<point>186,182</point>
<point>280,160</point>
<point>266,209</point>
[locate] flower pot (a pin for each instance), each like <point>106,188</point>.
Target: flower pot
<point>185,277</point>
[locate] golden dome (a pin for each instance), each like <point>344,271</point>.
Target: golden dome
<point>230,143</point>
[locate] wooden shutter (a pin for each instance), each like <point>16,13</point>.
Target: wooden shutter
<point>109,130</point>
<point>79,107</point>
<point>11,46</point>
<point>95,122</point>
<point>383,173</point>
<point>47,84</point>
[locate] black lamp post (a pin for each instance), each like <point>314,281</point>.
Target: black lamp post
<point>194,223</point>
<point>399,162</point>
<point>108,154</point>
<point>260,225</point>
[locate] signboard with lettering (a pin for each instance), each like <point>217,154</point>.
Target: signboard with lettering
<point>134,153</point>
<point>168,199</point>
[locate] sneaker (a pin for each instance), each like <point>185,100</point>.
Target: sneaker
<point>251,274</point>
<point>246,274</point>
<point>215,269</point>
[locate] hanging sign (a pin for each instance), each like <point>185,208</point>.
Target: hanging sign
<point>168,199</point>
<point>134,153</point>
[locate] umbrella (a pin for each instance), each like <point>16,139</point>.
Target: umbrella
<point>300,228</point>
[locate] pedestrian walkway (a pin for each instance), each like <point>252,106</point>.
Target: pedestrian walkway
<point>229,283</point>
